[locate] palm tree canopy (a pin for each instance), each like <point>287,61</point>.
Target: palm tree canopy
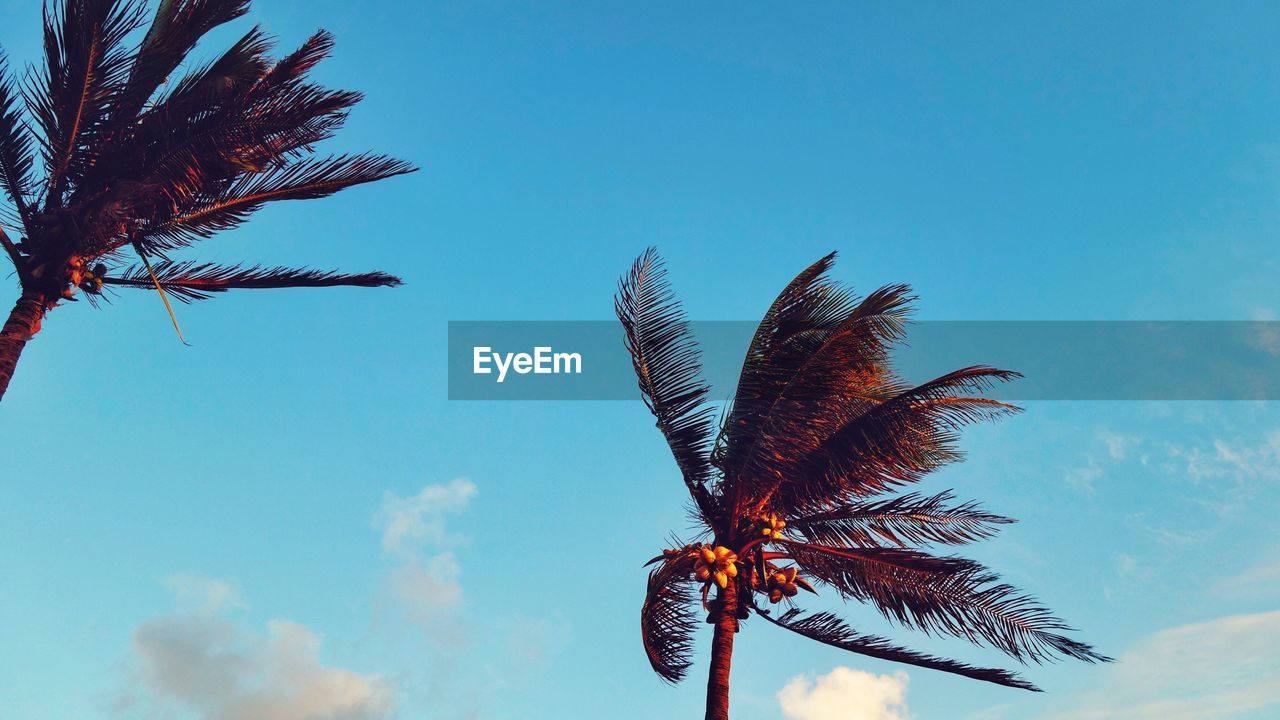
<point>819,426</point>
<point>108,147</point>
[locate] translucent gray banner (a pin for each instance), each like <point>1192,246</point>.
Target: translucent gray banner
<point>1061,360</point>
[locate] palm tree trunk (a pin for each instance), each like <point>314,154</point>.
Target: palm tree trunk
<point>722,654</point>
<point>22,325</point>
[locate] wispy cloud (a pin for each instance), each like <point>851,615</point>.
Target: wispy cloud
<point>425,586</point>
<point>845,694</point>
<point>1109,449</point>
<point>1119,445</point>
<point>1211,670</point>
<point>204,594</point>
<point>200,662</point>
<point>409,523</point>
<point>1232,459</point>
<point>1254,581</point>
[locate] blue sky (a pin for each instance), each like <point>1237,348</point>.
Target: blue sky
<point>279,507</point>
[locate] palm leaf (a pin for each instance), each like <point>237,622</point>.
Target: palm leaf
<point>190,281</point>
<point>907,520</point>
<point>898,440</point>
<point>831,630</point>
<point>809,306</point>
<point>15,146</point>
<point>86,66</point>
<point>952,596</point>
<point>824,377</point>
<point>668,619</point>
<point>305,180</point>
<point>667,364</point>
<point>177,27</point>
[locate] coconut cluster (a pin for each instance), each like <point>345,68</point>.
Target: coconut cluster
<point>772,525</point>
<point>715,564</point>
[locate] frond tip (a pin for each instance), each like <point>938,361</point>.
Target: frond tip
<point>190,281</point>
<point>304,180</point>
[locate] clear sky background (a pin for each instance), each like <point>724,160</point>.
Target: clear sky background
<point>273,520</point>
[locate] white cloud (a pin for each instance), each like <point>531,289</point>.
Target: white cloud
<point>416,520</point>
<point>1235,461</point>
<point>425,586</point>
<point>203,594</point>
<point>200,662</point>
<point>426,593</point>
<point>1211,670</point>
<point>845,694</point>
<point>1118,445</point>
<point>1082,478</point>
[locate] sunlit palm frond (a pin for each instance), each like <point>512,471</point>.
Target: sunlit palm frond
<point>825,377</point>
<point>948,595</point>
<point>848,451</point>
<point>667,363</point>
<point>911,519</point>
<point>809,308</point>
<point>831,630</point>
<point>298,63</point>
<point>668,619</point>
<point>896,441</point>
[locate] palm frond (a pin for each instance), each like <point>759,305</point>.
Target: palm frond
<point>156,157</point>
<point>895,441</point>
<point>821,377</point>
<point>190,281</point>
<point>164,296</point>
<point>952,596</point>
<point>810,306</point>
<point>911,519</point>
<point>667,363</point>
<point>238,116</point>
<point>305,180</point>
<point>668,619</point>
<point>177,27</point>
<point>16,161</point>
<point>831,630</point>
<point>204,88</point>
<point>298,63</point>
<point>87,64</point>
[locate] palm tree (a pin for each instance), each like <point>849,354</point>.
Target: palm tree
<point>135,162</point>
<point>783,487</point>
